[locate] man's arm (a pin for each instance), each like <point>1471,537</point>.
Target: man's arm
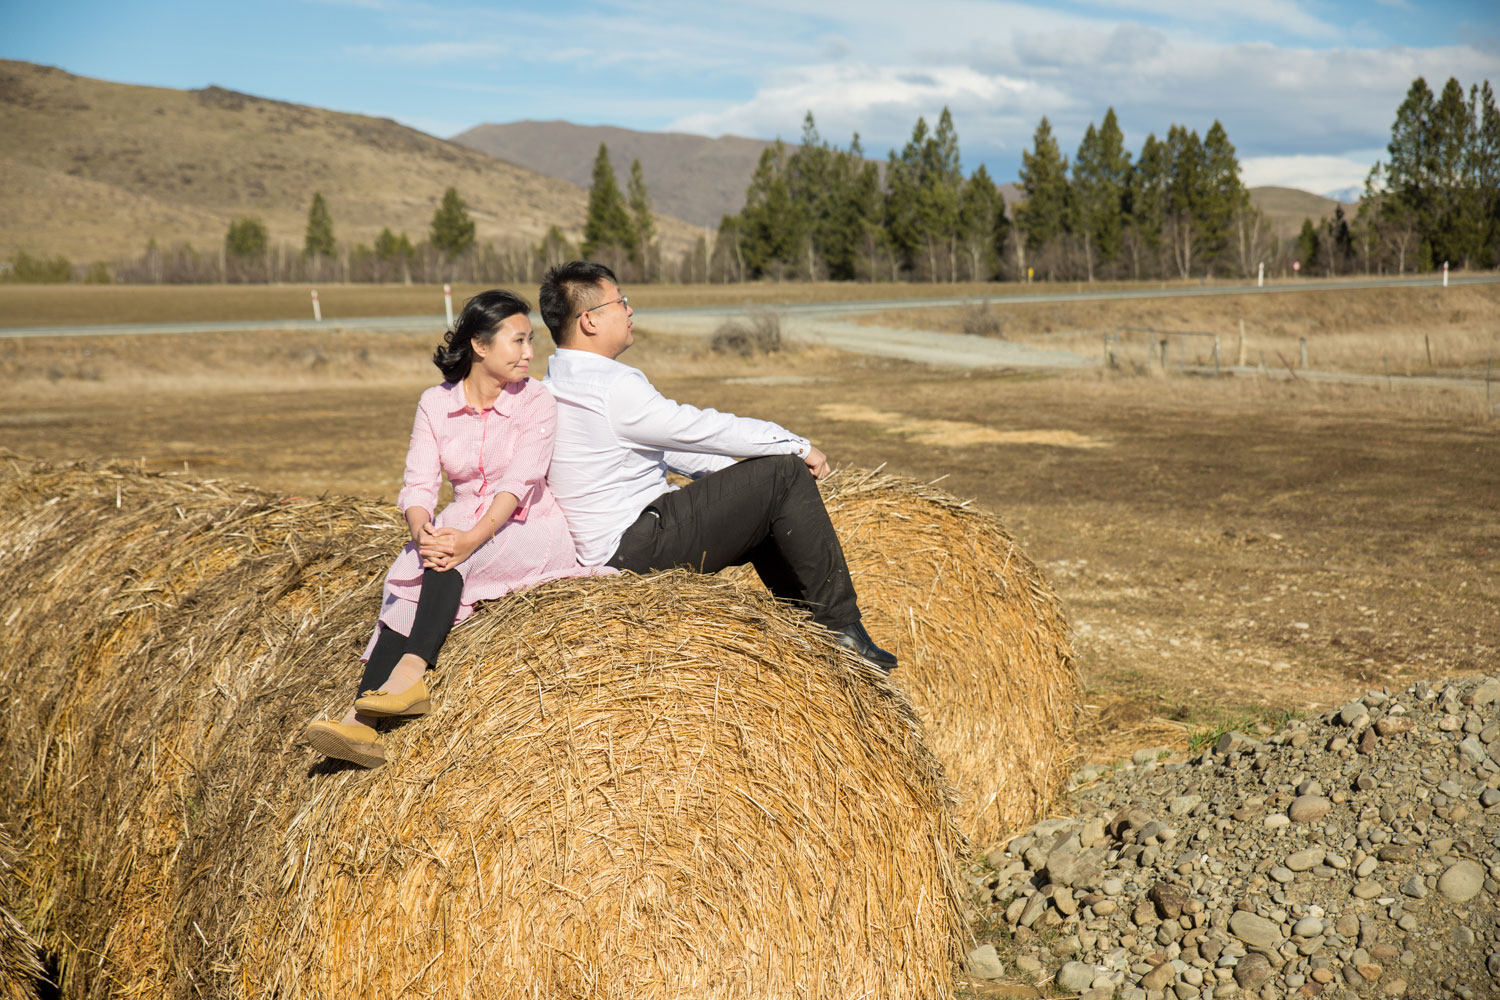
<point>640,415</point>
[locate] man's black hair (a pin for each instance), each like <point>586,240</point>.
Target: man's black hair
<point>567,290</point>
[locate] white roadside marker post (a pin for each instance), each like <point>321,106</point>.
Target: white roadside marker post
<point>317,309</point>
<point>1445,274</point>
<point>1260,275</point>
<point>448,303</point>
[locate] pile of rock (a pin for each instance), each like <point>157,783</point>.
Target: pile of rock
<point>1356,854</point>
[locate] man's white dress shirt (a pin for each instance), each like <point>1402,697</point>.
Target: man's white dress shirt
<point>617,437</point>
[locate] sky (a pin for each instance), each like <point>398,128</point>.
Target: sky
<point>1306,90</point>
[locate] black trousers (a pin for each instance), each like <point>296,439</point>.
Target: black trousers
<point>764,511</point>
<point>438,603</point>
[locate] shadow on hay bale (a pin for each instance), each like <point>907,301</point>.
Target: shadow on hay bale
<point>983,642</point>
<point>21,969</point>
<point>629,788</point>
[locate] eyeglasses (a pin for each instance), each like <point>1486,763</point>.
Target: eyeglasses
<point>623,300</point>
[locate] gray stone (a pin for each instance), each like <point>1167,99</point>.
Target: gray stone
<point>1282,875</point>
<point>1366,889</point>
<point>1158,978</point>
<point>1473,751</point>
<point>1252,970</point>
<point>1303,860</point>
<point>1307,808</point>
<point>1414,887</point>
<point>1254,930</point>
<point>1462,882</point>
<point>1181,805</point>
<point>1308,927</point>
<point>1489,798</point>
<point>1349,715</point>
<point>1075,977</point>
<point>1028,964</point>
<point>1232,742</point>
<point>1079,870</point>
<point>1034,908</point>
<point>1486,693</point>
<point>984,963</point>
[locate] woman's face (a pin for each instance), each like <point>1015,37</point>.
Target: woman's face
<point>507,356</point>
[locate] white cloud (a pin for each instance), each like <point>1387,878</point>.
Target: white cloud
<point>1319,174</point>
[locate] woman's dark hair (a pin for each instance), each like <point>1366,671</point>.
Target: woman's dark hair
<point>481,317</point>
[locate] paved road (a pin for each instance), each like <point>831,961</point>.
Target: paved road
<point>683,317</point>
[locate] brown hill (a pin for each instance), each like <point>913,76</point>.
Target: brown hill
<point>691,177</point>
<point>1287,207</point>
<point>93,170</point>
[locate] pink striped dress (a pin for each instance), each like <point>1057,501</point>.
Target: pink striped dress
<point>505,447</point>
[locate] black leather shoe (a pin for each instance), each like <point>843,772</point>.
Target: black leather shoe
<point>855,638</point>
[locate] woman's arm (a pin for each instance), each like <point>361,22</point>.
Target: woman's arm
<point>445,548</point>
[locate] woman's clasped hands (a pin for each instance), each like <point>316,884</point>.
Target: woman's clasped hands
<point>444,548</point>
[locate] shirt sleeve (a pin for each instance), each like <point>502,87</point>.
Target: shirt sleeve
<point>536,426</point>
<point>639,414</point>
<point>696,465</point>
<point>424,471</point>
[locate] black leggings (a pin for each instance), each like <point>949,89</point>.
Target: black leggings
<point>436,607</point>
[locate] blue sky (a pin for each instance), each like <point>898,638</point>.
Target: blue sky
<point>1306,90</point>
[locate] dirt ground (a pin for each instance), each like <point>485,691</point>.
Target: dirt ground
<point>1224,547</point>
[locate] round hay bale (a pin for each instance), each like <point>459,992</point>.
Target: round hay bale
<point>982,640</point>
<point>642,788</point>
<point>21,969</point>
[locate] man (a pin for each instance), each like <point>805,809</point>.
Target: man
<point>617,437</point>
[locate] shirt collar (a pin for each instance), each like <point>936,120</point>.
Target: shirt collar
<point>572,358</point>
<point>504,404</point>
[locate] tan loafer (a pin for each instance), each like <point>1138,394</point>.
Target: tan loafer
<point>415,700</point>
<point>351,741</point>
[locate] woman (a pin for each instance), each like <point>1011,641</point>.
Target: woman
<point>490,428</point>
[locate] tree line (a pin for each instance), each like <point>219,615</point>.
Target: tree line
<point>818,211</point>
<point>1177,209</point>
<point>1434,200</point>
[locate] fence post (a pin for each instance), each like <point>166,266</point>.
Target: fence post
<point>1427,339</point>
<point>1109,349</point>
<point>1242,355</point>
<point>317,309</point>
<point>1216,356</point>
<point>1302,352</point>
<point>1162,345</point>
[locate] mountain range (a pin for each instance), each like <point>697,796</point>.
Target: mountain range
<point>93,170</point>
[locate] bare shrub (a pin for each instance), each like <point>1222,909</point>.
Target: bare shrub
<point>982,321</point>
<point>758,333</point>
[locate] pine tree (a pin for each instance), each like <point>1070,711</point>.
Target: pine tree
<point>1046,214</point>
<point>1146,197</point>
<point>1187,196</point>
<point>1485,152</point>
<point>981,216</point>
<point>771,228</point>
<point>644,224</point>
<point>940,191</point>
<point>1101,171</point>
<point>246,238</point>
<point>1455,224</point>
<point>1309,247</point>
<point>452,229</point>
<point>608,225</point>
<point>319,238</point>
<point>1224,197</point>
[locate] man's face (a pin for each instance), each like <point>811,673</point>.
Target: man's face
<point>609,320</point>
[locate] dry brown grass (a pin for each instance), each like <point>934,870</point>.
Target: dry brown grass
<point>629,788</point>
<point>94,169</point>
<point>1362,330</point>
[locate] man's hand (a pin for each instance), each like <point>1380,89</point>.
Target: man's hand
<point>817,463</point>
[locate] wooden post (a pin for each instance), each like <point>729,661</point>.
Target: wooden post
<point>1216,355</point>
<point>1242,355</point>
<point>1162,345</point>
<point>1301,352</point>
<point>1427,338</point>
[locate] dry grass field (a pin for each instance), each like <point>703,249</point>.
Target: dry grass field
<point>1421,329</point>
<point>1222,546</point>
